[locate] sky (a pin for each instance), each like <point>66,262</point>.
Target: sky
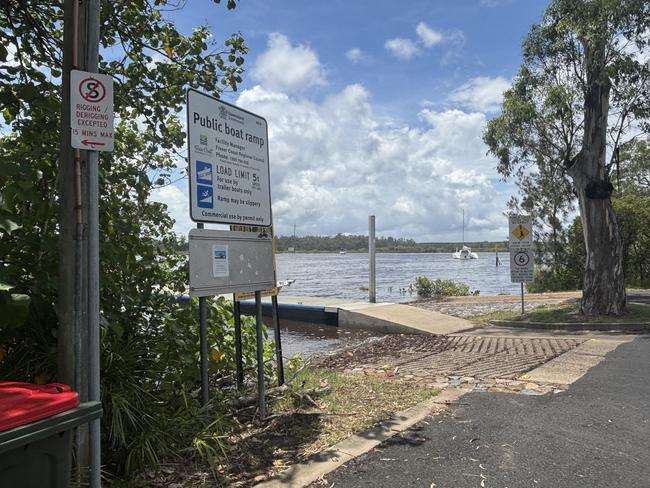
<point>374,108</point>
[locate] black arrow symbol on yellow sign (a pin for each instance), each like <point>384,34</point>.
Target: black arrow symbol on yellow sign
<point>520,232</point>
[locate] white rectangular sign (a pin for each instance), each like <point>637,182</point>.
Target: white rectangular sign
<point>229,262</point>
<point>522,264</point>
<point>228,163</point>
<point>520,231</point>
<point>522,260</point>
<point>91,111</point>
<point>220,261</point>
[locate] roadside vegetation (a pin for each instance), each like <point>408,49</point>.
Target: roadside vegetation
<point>440,288</point>
<point>567,134</point>
<point>149,363</point>
<point>317,408</point>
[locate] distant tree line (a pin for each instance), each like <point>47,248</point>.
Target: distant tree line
<point>359,243</point>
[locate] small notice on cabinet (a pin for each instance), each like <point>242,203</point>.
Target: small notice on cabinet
<point>219,261</point>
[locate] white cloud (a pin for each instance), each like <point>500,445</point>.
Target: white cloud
<point>483,93</point>
<point>355,54</point>
<point>284,67</point>
<point>402,48</point>
<point>494,3</point>
<point>427,35</point>
<point>178,204</point>
<point>335,162</point>
<point>427,38</point>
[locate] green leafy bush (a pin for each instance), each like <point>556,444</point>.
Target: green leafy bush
<point>549,280</point>
<point>150,386</point>
<point>427,288</point>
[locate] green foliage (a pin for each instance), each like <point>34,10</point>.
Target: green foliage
<point>633,176</point>
<point>149,339</point>
<point>582,87</point>
<point>151,381</point>
<point>439,288</point>
<point>567,272</point>
<point>633,213</point>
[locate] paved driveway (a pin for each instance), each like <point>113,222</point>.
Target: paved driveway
<point>595,434</point>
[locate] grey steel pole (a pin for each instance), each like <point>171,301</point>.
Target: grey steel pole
<point>203,344</point>
<point>239,362</point>
<point>522,298</point>
<point>372,290</point>
<point>92,19</point>
<point>203,338</point>
<point>275,311</point>
<point>261,403</point>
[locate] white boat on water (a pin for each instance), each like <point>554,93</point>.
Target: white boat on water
<point>465,252</point>
<point>283,283</point>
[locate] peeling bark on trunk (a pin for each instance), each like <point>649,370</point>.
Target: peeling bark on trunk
<point>603,291</point>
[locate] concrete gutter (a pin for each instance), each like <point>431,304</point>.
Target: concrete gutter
<point>575,326</point>
<point>319,465</point>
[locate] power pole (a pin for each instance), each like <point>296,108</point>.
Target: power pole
<point>92,21</point>
<point>65,304</point>
<point>78,292</point>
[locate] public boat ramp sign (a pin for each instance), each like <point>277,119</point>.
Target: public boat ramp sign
<point>91,111</point>
<point>228,163</point>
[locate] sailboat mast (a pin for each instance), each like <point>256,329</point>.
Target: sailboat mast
<point>463,227</point>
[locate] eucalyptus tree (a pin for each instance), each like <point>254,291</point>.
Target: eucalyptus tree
<point>583,89</point>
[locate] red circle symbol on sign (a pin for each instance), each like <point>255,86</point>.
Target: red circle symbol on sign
<point>92,90</point>
<point>521,258</point>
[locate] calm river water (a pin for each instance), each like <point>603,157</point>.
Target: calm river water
<point>345,275</point>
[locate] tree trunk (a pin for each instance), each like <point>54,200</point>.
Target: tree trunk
<point>603,291</point>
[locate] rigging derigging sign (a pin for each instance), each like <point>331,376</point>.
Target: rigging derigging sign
<point>228,163</point>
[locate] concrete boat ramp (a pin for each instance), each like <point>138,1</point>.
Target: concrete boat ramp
<point>380,317</point>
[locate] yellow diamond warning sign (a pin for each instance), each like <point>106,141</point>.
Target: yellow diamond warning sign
<point>520,232</point>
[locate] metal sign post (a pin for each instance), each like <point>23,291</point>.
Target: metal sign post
<point>261,403</point>
<point>239,361</point>
<point>223,262</point>
<point>273,293</point>
<point>229,184</point>
<point>522,260</point>
<point>203,345</point>
<point>88,96</point>
<point>275,312</point>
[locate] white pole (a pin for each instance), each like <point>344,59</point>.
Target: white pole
<point>372,290</point>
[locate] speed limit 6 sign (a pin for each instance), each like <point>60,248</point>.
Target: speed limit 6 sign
<point>521,265</point>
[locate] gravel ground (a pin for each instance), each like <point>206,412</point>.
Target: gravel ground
<point>468,307</point>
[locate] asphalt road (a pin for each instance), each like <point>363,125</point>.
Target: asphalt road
<point>639,296</point>
<point>596,434</point>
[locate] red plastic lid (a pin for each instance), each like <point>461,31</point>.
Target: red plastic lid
<point>22,403</point>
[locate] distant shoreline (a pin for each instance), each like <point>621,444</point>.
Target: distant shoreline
<point>386,251</point>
